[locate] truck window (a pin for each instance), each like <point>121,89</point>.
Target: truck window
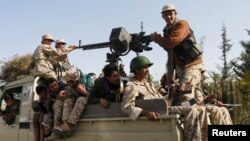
<point>26,93</point>
<point>17,95</point>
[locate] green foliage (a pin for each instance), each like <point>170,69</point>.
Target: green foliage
<point>242,69</point>
<point>16,68</point>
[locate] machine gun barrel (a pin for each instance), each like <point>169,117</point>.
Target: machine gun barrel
<point>94,46</point>
<point>121,42</point>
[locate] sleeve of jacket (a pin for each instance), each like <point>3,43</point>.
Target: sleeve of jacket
<point>94,97</point>
<point>128,102</point>
<point>69,49</point>
<point>179,33</point>
<point>53,52</point>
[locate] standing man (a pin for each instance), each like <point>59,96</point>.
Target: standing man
<point>140,88</point>
<point>184,54</point>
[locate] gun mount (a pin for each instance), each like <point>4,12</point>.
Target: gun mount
<point>120,44</point>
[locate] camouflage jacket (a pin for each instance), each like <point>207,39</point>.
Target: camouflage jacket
<point>136,90</point>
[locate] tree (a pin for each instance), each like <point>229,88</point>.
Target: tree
<point>225,47</point>
<point>16,68</point>
<point>225,68</point>
<point>215,86</point>
<point>242,69</point>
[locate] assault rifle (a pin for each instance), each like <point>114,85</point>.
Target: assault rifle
<point>229,105</point>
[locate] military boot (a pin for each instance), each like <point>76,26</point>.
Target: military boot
<point>68,129</point>
<point>53,137</point>
<point>57,130</point>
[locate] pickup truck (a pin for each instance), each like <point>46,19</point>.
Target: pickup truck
<point>96,124</point>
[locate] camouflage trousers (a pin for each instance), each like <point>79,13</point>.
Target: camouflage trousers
<point>191,75</point>
<point>219,115</point>
<point>191,78</point>
<point>77,110</point>
<point>42,124</point>
<point>50,74</point>
<point>57,108</point>
<point>195,121</point>
<point>47,121</point>
<point>62,109</point>
<point>45,73</point>
<point>67,110</point>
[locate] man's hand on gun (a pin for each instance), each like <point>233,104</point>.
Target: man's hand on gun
<point>73,47</point>
<point>154,36</point>
<point>211,99</point>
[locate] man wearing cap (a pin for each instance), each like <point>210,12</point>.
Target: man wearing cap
<point>45,57</point>
<point>180,44</point>
<point>12,109</point>
<point>140,88</point>
<point>60,47</point>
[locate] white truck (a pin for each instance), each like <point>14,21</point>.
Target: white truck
<point>96,124</point>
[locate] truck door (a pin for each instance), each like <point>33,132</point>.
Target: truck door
<point>26,114</point>
<point>9,132</point>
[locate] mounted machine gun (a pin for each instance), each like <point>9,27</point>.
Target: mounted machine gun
<point>120,44</point>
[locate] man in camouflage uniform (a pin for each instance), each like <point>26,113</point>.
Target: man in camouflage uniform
<point>187,64</point>
<point>60,47</point>
<point>140,88</point>
<point>43,118</point>
<point>45,58</point>
<point>12,109</point>
<point>62,64</point>
<point>219,114</point>
<point>56,87</point>
<point>72,101</point>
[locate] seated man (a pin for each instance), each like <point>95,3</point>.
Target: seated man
<point>68,107</point>
<point>140,88</point>
<point>106,89</point>
<point>12,109</point>
<point>43,118</point>
<point>55,88</point>
<point>77,93</point>
<point>219,115</point>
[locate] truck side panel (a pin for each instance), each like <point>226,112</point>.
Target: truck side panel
<point>96,124</point>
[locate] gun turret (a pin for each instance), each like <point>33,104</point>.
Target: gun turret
<point>121,42</point>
